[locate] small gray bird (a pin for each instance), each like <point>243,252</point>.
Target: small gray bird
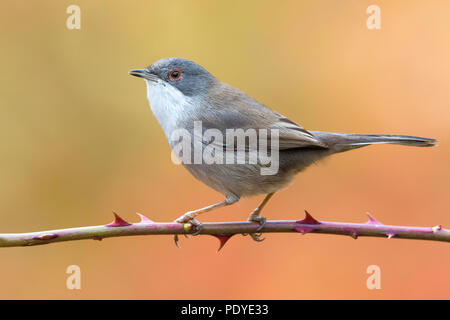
<point>182,92</point>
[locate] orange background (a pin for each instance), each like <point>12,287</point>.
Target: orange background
<point>79,140</point>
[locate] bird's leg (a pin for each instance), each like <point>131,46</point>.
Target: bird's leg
<point>189,217</point>
<point>255,217</point>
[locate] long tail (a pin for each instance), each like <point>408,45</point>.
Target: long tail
<point>347,141</point>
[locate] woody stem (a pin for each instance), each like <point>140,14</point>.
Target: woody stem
<point>120,228</point>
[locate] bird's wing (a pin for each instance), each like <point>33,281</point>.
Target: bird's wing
<point>234,109</point>
<point>292,135</point>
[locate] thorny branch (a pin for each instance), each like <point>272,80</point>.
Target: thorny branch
<point>224,230</point>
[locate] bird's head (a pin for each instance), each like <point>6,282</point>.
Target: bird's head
<point>186,76</point>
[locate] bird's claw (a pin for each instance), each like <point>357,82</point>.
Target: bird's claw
<point>198,227</point>
<point>255,217</point>
<point>188,218</point>
<point>259,220</point>
<point>257,237</point>
<point>175,239</point>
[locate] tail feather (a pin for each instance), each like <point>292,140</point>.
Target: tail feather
<point>347,141</point>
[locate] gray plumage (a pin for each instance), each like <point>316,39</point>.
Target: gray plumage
<point>199,96</point>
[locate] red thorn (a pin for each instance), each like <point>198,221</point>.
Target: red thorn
<point>223,238</point>
<point>390,235</point>
<point>303,230</point>
<point>308,219</point>
<point>372,220</point>
<point>354,235</point>
<point>47,236</point>
<point>144,219</point>
<point>118,222</point>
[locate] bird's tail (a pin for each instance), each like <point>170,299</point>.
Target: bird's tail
<point>346,141</point>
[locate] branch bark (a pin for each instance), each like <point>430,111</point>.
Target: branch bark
<point>224,230</point>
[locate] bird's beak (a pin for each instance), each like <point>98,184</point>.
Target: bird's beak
<point>144,73</point>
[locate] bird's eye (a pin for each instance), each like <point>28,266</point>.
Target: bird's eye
<point>175,74</point>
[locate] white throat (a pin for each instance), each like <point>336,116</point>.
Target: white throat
<point>168,105</point>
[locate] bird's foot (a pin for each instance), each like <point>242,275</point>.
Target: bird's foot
<point>189,218</point>
<point>255,217</point>
<point>257,237</point>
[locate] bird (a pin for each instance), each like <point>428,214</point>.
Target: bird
<point>182,93</point>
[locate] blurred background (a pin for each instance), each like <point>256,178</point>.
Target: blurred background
<point>78,140</point>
